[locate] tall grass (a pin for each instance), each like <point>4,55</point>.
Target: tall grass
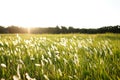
<point>60,57</point>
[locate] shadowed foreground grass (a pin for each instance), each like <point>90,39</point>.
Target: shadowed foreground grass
<point>60,57</point>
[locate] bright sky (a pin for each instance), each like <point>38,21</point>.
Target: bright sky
<point>44,13</point>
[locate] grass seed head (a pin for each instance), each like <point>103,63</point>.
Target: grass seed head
<point>3,65</point>
<point>45,76</point>
<point>60,72</point>
<point>2,79</point>
<point>37,65</point>
<point>28,77</point>
<point>15,77</point>
<point>32,58</point>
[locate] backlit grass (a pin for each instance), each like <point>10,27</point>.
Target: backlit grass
<point>60,57</point>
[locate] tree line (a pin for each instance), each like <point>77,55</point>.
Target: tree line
<point>59,30</point>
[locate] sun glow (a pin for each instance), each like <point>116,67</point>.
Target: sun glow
<point>46,13</point>
<point>28,30</point>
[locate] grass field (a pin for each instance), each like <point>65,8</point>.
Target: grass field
<point>60,57</point>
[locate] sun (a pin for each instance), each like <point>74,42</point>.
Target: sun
<point>29,30</point>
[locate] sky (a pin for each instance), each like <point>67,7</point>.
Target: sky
<point>50,13</point>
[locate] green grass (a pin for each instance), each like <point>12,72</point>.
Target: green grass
<point>60,57</point>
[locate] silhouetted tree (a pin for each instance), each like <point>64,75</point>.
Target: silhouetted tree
<point>62,29</point>
<point>2,29</point>
<point>71,30</point>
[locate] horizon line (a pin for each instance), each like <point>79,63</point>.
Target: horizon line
<point>58,26</point>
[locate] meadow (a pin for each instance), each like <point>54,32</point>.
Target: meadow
<point>60,56</point>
